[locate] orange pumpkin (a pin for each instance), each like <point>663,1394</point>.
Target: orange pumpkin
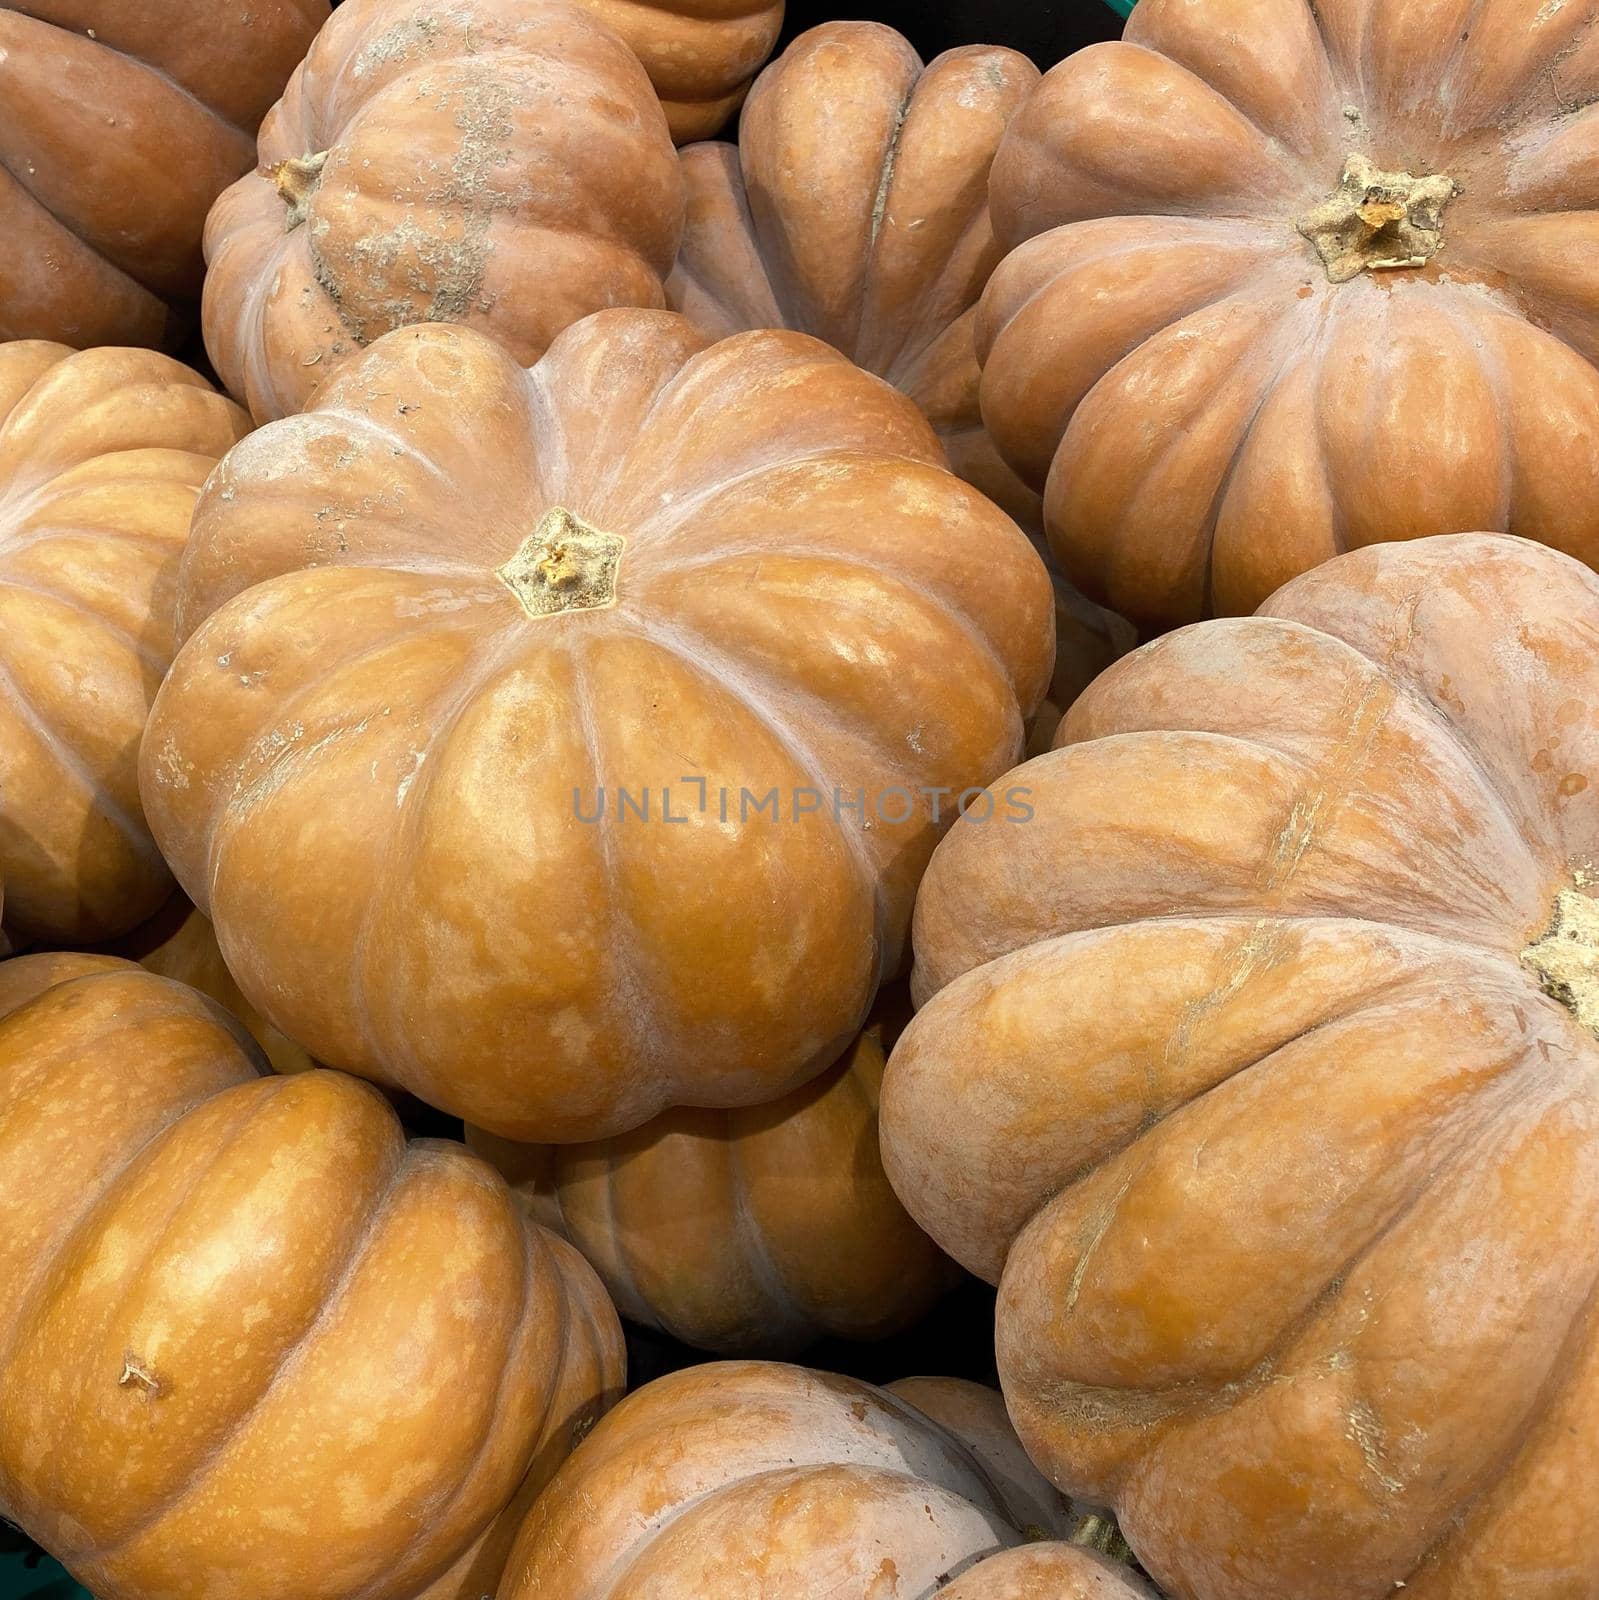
<point>700,54</point>
<point>1295,276</point>
<point>748,1480</point>
<point>501,163</point>
<point>455,632</point>
<point>252,1342</point>
<point>760,1229</point>
<point>124,120</point>
<point>855,208</point>
<point>101,456</point>
<point>1259,1071</point>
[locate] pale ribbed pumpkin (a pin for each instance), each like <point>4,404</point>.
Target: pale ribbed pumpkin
<point>700,54</point>
<point>750,1480</point>
<point>855,208</point>
<point>101,456</point>
<point>751,1231</point>
<point>252,1342</point>
<point>124,120</point>
<point>1259,1069</point>
<point>501,163</point>
<point>439,622</point>
<point>1295,276</point>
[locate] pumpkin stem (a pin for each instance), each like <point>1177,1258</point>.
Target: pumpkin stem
<point>296,180</point>
<point>1098,1531</point>
<point>1377,221</point>
<point>1566,957</point>
<point>564,565</point>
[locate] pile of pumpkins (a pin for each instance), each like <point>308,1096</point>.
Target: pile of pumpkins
<point>648,595</point>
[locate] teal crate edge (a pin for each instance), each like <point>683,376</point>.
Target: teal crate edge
<point>1122,8</point>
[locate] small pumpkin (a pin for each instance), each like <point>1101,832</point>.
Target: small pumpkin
<point>754,1230</point>
<point>855,208</point>
<point>252,1341</point>
<point>124,120</point>
<point>1290,277</point>
<point>1259,1070</point>
<point>455,631</point>
<point>746,1480</point>
<point>500,163</point>
<point>102,453</point>
<point>700,54</point>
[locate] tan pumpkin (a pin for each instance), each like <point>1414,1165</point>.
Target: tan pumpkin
<point>124,120</point>
<point>1259,1070</point>
<point>441,621</point>
<point>855,208</point>
<point>700,54</point>
<point>500,163</point>
<point>101,456</point>
<point>749,1480</point>
<point>1297,276</point>
<point>756,1230</point>
<point>252,1342</point>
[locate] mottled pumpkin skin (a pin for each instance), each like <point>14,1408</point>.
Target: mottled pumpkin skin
<point>1169,357</point>
<point>124,120</point>
<point>749,1480</point>
<point>500,163</point>
<point>253,1343</point>
<point>700,54</point>
<point>797,597</point>
<point>746,1232</point>
<point>1244,1069</point>
<point>101,456</point>
<point>855,208</point>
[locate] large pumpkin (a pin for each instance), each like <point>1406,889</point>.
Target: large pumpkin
<point>458,629</point>
<point>252,1342</point>
<point>1259,1069</point>
<point>855,208</point>
<point>756,1230</point>
<point>749,1480</point>
<point>1297,276</point>
<point>502,163</point>
<point>101,456</point>
<point>124,120</point>
<point>700,54</point>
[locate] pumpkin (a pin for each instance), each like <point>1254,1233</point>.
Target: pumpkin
<point>253,1343</point>
<point>564,678</point>
<point>1258,1069</point>
<point>700,54</point>
<point>501,163</point>
<point>855,208</point>
<point>101,455</point>
<point>1087,639</point>
<point>1291,277</point>
<point>760,1229</point>
<point>745,1480</point>
<point>124,120</point>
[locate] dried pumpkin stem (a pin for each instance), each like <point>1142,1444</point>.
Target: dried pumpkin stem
<point>564,565</point>
<point>1097,1530</point>
<point>1377,221</point>
<point>1566,957</point>
<point>296,180</point>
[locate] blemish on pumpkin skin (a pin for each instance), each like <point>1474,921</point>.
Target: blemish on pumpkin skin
<point>142,1379</point>
<point>1571,785</point>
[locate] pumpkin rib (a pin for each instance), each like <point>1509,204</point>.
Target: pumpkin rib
<point>240,1424</point>
<point>71,766</point>
<point>90,616</point>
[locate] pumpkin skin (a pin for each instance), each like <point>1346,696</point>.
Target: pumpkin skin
<point>757,1230</point>
<point>1244,1070</point>
<point>102,219</point>
<point>501,163</point>
<point>253,1343</point>
<point>101,455</point>
<point>1164,349</point>
<point>745,1480</point>
<point>700,54</point>
<point>855,208</point>
<point>397,600</point>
